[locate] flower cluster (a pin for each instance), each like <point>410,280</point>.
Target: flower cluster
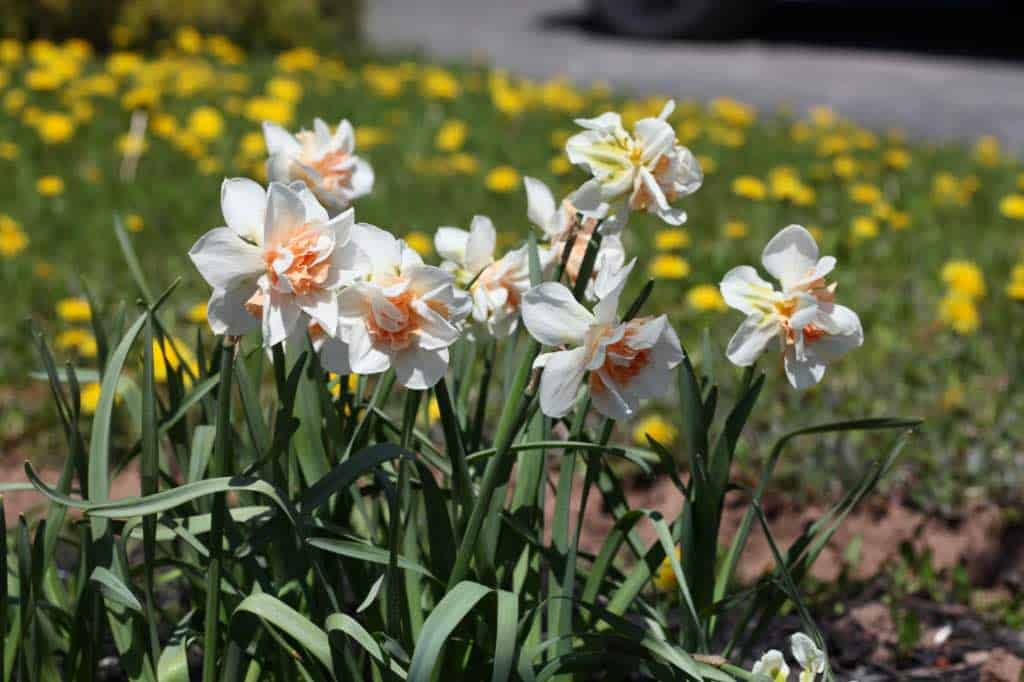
<point>292,261</point>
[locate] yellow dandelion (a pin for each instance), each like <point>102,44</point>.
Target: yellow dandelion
<point>502,179</point>
<point>658,428</point>
<point>284,89</point>
<point>559,165</point>
<point>864,228</point>
<point>1012,206</point>
<point>986,151</point>
<point>13,239</point>
<point>9,151</point>
<point>197,313</point>
<point>188,40</point>
<point>897,158</point>
<point>77,340</point>
<point>959,313</point>
<point>749,187</point>
<point>707,163</point>
<point>55,128</point>
<point>90,397</point>
<point>664,579</point>
<point>419,242</point>
<point>672,238</point>
<point>733,112</point>
<point>50,186</point>
<point>170,355</point>
<point>277,111</point>
<point>206,123</point>
<point>451,136</point>
<point>844,166</point>
<point>864,193</point>
<point>705,298</point>
<point>899,220</point>
<point>439,84</point>
<point>133,222</point>
<point>735,229</point>
<point>965,278</point>
<point>668,266</point>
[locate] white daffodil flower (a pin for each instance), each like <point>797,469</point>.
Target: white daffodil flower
<point>280,259</point>
<point>772,665</point>
<point>628,362</point>
<point>401,313</point>
<point>325,162</point>
<point>646,171</point>
<point>497,286</point>
<point>574,221</point>
<point>808,655</point>
<point>802,319</point>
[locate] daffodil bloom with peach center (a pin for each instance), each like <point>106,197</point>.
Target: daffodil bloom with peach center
<point>644,172</point>
<point>496,286</point>
<point>326,162</point>
<point>278,263</point>
<point>802,320</point>
<point>627,361</point>
<point>400,314</point>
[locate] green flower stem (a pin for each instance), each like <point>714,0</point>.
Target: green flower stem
<point>394,577</point>
<point>218,467</point>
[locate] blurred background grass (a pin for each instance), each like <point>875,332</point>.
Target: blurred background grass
<point>927,233</point>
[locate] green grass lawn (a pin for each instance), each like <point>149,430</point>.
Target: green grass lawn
<point>894,212</point>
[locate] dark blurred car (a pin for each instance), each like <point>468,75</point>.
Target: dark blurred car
<point>725,18</point>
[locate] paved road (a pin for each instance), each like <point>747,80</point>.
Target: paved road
<point>929,96</point>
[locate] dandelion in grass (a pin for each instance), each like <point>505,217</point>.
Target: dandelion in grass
<point>965,278</point>
<point>497,285</point>
<point>658,428</point>
<point>13,239</point>
<point>959,313</point>
<point>627,361</point>
<point>279,261</point>
<point>705,298</point>
<point>1012,206</point>
<point>50,186</point>
<point>573,222</point>
<point>400,314</point>
<point>802,320</point>
<point>749,187</point>
<point>326,162</point>
<point>644,172</point>
<point>502,179</point>
<point>664,579</point>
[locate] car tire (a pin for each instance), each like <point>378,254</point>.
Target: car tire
<point>699,19</point>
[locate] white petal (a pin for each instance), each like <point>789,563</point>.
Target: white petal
<point>743,289</point>
<point>322,306</point>
<point>790,255</point>
<point>435,332</point>
<point>606,122</point>
<point>279,140</point>
<point>608,288</point>
<point>279,167</point>
<point>450,244</point>
<point>560,381</point>
<point>807,654</point>
<point>225,260</point>
<point>420,369</point>
<point>362,178</point>
<point>655,137</point>
<point>315,213</point>
<point>285,212</point>
<point>344,137</point>
<point>540,203</point>
<point>244,205</point>
<point>553,316</point>
<point>612,400</point>
<point>750,340</point>
<point>481,243</point>
<point>226,311</point>
<point>322,132</point>
<point>380,246</point>
<point>362,356</point>
<point>280,317</point>
<point>803,372</point>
